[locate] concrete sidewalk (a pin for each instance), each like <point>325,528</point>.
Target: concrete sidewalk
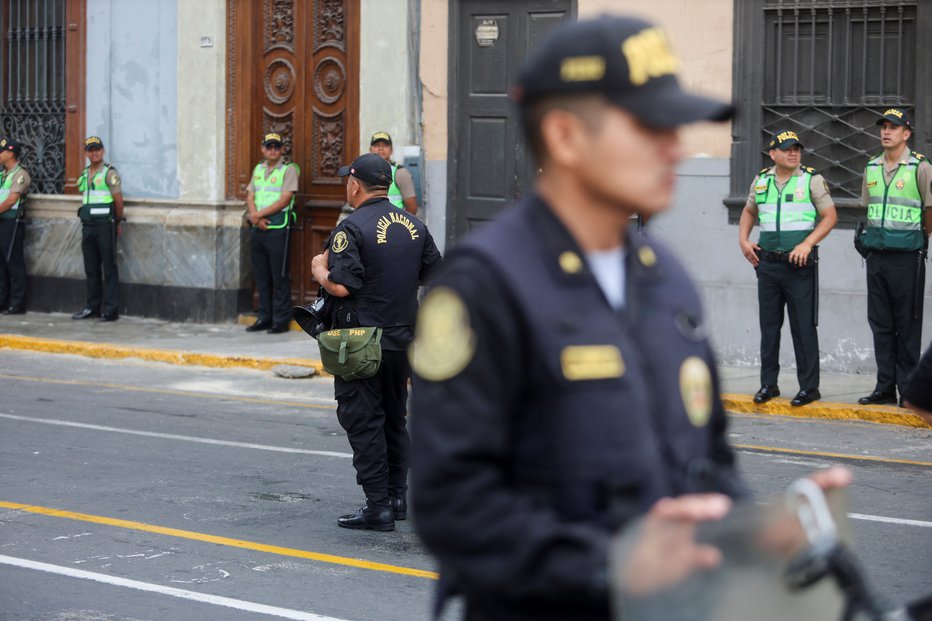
<point>229,345</point>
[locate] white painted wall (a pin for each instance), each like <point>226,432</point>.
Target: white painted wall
<point>201,99</point>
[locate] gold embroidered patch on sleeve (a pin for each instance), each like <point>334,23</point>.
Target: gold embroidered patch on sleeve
<point>444,342</point>
<point>340,243</point>
<point>696,390</point>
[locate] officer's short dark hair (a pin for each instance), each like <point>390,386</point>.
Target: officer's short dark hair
<point>588,107</point>
<point>370,188</point>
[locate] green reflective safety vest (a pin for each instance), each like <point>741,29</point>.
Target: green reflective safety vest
<point>394,194</point>
<point>269,189</point>
<point>785,217</point>
<point>13,212</point>
<point>97,202</point>
<point>894,210</point>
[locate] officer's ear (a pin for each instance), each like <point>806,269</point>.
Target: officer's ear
<point>563,135</point>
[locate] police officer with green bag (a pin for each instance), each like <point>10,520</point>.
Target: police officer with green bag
<point>375,260</point>
<point>269,203</point>
<point>785,201</point>
<point>896,192</point>
<point>101,213</point>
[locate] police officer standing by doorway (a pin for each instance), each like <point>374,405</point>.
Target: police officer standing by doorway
<point>269,202</point>
<point>785,201</point>
<point>401,192</point>
<point>101,213</point>
<point>564,383</point>
<point>14,185</point>
<point>897,194</point>
<point>376,259</point>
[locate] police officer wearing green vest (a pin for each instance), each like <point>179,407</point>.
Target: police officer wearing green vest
<point>401,192</point>
<point>785,201</point>
<point>101,212</point>
<point>14,184</point>
<point>270,202</point>
<point>897,195</point>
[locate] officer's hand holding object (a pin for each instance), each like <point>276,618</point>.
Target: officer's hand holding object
<point>800,254</point>
<point>749,249</point>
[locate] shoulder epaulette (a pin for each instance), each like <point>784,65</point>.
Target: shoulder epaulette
<point>764,170</point>
<point>809,169</point>
<point>919,156</point>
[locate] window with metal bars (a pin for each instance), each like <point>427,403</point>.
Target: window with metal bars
<point>827,69</point>
<point>32,87</point>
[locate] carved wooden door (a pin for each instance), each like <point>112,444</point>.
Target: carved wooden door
<point>293,68</point>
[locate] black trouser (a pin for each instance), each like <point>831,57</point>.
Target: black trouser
<point>12,273</point>
<point>891,289</point>
<point>267,250</point>
<point>100,256</point>
<point>372,412</point>
<point>780,284</point>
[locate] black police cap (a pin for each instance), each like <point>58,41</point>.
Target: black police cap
<point>8,144</point>
<point>785,139</point>
<point>371,168</point>
<point>628,60</point>
<point>895,116</point>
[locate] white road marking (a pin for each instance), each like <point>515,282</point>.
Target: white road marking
<point>216,600</point>
<point>172,436</point>
<point>889,520</point>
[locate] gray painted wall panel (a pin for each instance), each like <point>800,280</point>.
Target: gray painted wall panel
<point>132,90</point>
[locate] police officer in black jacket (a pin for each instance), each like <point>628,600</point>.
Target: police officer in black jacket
<point>564,382</point>
<point>376,259</point>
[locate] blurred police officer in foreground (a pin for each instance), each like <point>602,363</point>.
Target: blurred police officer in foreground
<point>14,185</point>
<point>101,212</point>
<point>897,194</point>
<point>269,202</point>
<point>918,393</point>
<point>563,379</point>
<point>401,192</point>
<point>376,259</point>
<point>785,200</point>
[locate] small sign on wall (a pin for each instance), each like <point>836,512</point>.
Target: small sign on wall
<point>487,33</point>
<point>207,41</point>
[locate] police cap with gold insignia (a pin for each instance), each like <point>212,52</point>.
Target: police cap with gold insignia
<point>8,144</point>
<point>93,142</point>
<point>627,60</point>
<point>381,137</point>
<point>895,116</point>
<point>371,168</point>
<point>785,139</point>
<point>272,139</point>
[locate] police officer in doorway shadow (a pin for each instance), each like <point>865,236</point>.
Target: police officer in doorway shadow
<point>269,202</point>
<point>897,194</point>
<point>101,214</point>
<point>401,192</point>
<point>785,201</point>
<point>375,261</point>
<point>564,382</point>
<point>14,185</point>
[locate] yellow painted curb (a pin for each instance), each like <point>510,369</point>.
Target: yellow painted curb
<point>106,350</point>
<point>744,404</point>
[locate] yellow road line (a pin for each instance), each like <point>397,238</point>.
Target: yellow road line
<point>223,541</point>
<point>744,404</point>
<point>107,350</point>
<point>774,449</point>
<point>166,391</point>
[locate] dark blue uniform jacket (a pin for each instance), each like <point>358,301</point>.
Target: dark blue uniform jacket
<point>520,475</point>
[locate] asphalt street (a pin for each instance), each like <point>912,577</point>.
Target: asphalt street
<point>141,491</point>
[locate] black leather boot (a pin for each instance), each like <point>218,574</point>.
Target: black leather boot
<point>400,507</point>
<point>365,518</point>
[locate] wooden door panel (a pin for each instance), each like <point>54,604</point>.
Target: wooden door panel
<point>293,69</point>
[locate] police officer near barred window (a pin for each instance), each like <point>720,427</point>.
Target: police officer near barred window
<point>376,259</point>
<point>401,192</point>
<point>14,185</point>
<point>564,383</point>
<point>785,201</point>
<point>897,194</point>
<point>101,213</point>
<point>269,201</point>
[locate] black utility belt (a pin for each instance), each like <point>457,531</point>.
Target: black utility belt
<point>891,251</point>
<point>780,256</point>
